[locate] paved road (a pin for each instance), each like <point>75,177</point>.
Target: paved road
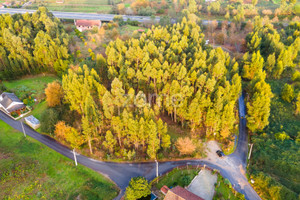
<point>78,15</point>
<point>231,167</point>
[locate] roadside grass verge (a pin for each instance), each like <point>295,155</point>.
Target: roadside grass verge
<point>30,170</point>
<point>224,190</point>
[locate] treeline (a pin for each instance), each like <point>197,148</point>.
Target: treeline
<point>32,43</point>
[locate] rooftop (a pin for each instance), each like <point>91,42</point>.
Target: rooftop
<point>179,193</point>
<point>83,22</point>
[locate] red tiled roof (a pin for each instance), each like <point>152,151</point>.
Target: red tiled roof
<point>181,194</point>
<point>7,3</point>
<point>83,22</point>
<point>164,189</point>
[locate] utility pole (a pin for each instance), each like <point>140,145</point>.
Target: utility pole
<point>75,159</point>
<point>156,168</point>
<point>23,129</point>
<point>250,151</point>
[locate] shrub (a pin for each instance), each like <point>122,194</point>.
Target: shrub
<point>54,94</point>
<point>48,120</point>
<point>185,146</point>
<point>287,93</point>
<point>138,187</point>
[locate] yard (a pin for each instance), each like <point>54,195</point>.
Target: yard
<point>177,176</point>
<point>35,84</point>
<point>32,87</point>
<point>30,170</point>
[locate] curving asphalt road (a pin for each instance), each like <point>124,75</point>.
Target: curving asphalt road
<point>232,167</point>
<point>79,15</point>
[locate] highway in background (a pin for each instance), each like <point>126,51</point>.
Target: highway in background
<point>79,15</point>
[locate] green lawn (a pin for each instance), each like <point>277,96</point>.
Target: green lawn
<point>39,109</point>
<point>36,83</point>
<point>30,170</point>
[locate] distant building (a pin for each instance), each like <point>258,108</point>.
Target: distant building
<point>6,4</point>
<point>82,24</point>
<point>179,193</point>
<point>32,121</point>
<point>9,103</point>
<point>141,30</point>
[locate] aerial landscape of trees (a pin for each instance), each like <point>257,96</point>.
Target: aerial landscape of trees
<point>164,92</point>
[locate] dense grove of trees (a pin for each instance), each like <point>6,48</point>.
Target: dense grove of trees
<point>32,43</point>
<point>167,72</point>
<point>124,129</point>
<point>173,72</point>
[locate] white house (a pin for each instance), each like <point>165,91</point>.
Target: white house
<point>9,103</point>
<point>83,24</point>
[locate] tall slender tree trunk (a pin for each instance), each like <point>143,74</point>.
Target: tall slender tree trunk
<point>175,118</point>
<point>90,145</point>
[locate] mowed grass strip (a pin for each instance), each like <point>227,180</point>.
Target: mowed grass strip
<point>30,170</point>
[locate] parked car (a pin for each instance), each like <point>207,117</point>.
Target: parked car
<point>220,153</point>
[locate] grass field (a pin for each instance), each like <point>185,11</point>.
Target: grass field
<point>35,82</point>
<point>103,6</point>
<point>30,170</point>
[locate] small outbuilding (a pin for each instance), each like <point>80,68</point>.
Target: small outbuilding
<point>32,122</point>
<point>83,24</point>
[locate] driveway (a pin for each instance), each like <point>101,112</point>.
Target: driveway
<point>203,185</point>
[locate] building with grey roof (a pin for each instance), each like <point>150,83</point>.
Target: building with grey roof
<point>9,103</point>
